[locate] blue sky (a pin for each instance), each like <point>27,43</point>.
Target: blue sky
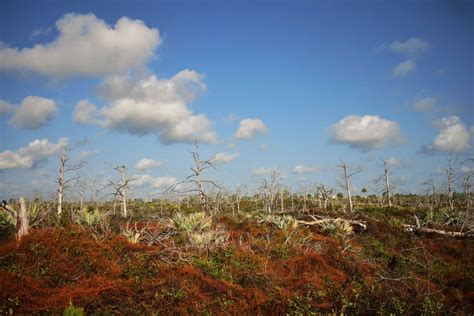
<point>307,83</point>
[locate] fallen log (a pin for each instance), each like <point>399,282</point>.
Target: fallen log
<point>426,230</point>
<point>322,221</point>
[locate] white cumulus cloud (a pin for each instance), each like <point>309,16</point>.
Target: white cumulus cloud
<point>151,106</point>
<point>404,68</point>
<point>148,180</point>
<point>147,163</point>
<point>366,132</point>
<point>250,128</point>
<point>302,169</point>
<point>85,154</point>
<point>86,46</point>
<point>84,112</point>
<point>453,135</point>
<point>164,182</point>
<point>26,157</point>
<point>141,180</point>
<point>33,112</point>
<point>224,157</point>
<point>411,46</point>
<point>262,171</point>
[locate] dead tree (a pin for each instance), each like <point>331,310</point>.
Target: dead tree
<point>466,185</point>
<point>269,188</point>
<point>386,176</point>
<point>196,178</point>
<point>21,217</point>
<point>449,183</point>
<point>63,183</point>
<point>344,182</point>
<point>81,188</point>
<point>22,223</point>
<point>431,191</point>
<point>304,192</point>
<point>239,193</point>
<point>121,187</point>
<point>282,199</point>
<point>325,193</point>
<point>420,228</point>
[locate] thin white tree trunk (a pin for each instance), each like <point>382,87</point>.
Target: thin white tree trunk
<point>387,184</point>
<point>348,188</point>
<point>22,220</point>
<point>60,189</point>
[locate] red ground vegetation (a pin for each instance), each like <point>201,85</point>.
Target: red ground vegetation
<point>261,270</point>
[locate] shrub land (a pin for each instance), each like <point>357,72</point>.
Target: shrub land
<point>166,258</point>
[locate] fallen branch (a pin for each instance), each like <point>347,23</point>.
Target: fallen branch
<point>7,207</point>
<point>361,224</point>
<point>425,230</point>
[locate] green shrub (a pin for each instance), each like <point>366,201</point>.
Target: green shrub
<point>7,226</point>
<point>196,229</point>
<point>71,310</point>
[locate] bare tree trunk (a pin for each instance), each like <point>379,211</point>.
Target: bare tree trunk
<point>387,183</point>
<point>282,200</point>
<point>467,191</point>
<point>323,193</point>
<point>269,189</point>
<point>81,201</point>
<point>121,188</point>
<point>60,189</point>
<point>21,217</point>
<point>197,180</point>
<point>238,203</point>
<point>123,192</point>
<point>63,183</point>
<point>450,178</point>
<point>22,220</point>
<point>346,175</point>
<point>348,187</point>
<point>304,202</point>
